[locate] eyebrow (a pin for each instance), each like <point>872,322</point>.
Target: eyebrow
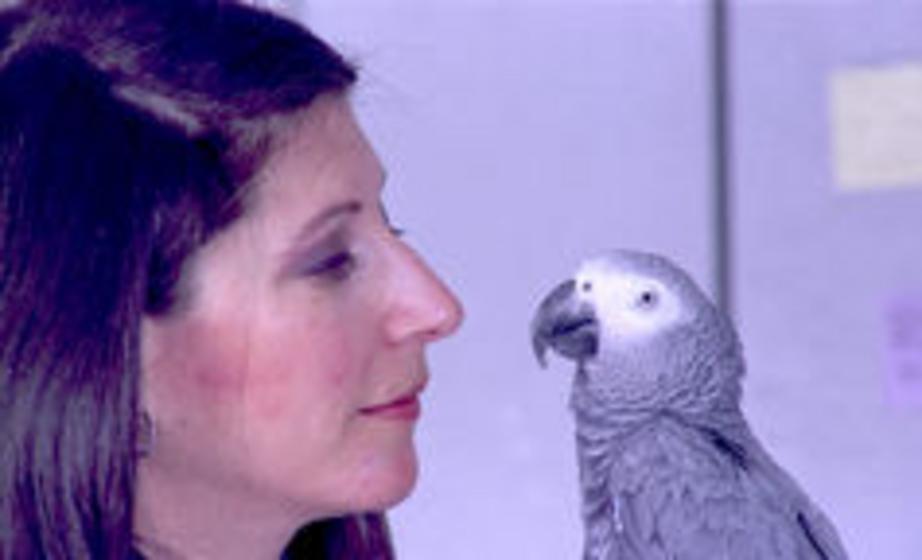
<point>335,211</point>
<point>328,214</point>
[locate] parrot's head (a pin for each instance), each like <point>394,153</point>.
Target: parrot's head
<point>638,327</point>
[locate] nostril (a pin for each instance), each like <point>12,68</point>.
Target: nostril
<point>586,286</point>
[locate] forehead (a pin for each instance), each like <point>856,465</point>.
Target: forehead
<point>320,154</point>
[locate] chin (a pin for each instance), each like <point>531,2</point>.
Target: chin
<point>374,480</point>
<point>388,484</point>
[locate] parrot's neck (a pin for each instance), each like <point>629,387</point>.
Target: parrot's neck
<point>603,429</point>
<point>599,424</point>
<point>603,448</point>
<point>599,433</point>
<point>621,390</point>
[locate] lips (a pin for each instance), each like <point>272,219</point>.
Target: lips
<point>406,406</point>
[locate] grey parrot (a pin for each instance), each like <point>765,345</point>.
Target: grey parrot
<point>669,468</point>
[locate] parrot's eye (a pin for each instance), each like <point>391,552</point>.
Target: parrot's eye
<point>647,299</point>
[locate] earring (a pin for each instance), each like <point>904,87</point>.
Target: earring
<point>144,437</point>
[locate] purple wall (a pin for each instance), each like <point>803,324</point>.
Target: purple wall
<point>521,136</point>
<point>819,267</point>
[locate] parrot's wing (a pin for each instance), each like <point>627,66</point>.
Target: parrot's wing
<point>819,530</point>
<point>700,497</point>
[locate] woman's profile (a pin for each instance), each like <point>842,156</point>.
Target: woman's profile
<point>212,339</point>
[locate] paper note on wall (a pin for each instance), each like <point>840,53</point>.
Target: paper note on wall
<point>904,349</point>
<point>877,127</point>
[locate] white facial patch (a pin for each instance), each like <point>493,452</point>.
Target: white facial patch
<point>629,306</point>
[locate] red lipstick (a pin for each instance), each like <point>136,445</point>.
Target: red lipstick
<point>404,408</point>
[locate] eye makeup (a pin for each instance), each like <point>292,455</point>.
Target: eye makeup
<point>330,258</point>
<point>330,255</point>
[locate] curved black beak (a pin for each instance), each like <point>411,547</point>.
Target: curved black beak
<point>564,324</point>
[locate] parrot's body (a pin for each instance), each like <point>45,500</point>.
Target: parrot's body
<point>668,466</point>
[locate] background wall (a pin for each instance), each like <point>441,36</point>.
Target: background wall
<point>826,276</point>
<point>521,136</point>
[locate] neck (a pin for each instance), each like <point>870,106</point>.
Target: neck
<point>601,422</point>
<point>177,521</point>
<point>604,420</point>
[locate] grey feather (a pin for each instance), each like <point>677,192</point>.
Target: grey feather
<point>669,468</point>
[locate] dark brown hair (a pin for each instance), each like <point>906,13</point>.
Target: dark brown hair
<point>129,133</point>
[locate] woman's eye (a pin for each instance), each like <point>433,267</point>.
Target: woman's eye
<point>337,266</point>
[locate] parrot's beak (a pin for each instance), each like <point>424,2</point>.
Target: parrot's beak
<point>566,325</point>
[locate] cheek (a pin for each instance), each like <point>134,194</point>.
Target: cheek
<point>307,371</point>
<point>193,367</point>
<point>196,377</point>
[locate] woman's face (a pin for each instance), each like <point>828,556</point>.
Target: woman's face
<point>291,378</point>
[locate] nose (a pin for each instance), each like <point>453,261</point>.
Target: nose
<point>422,306</point>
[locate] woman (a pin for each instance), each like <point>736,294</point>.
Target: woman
<point>212,340</point>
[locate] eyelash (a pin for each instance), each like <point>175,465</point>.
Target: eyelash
<point>339,266</point>
<point>395,231</point>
